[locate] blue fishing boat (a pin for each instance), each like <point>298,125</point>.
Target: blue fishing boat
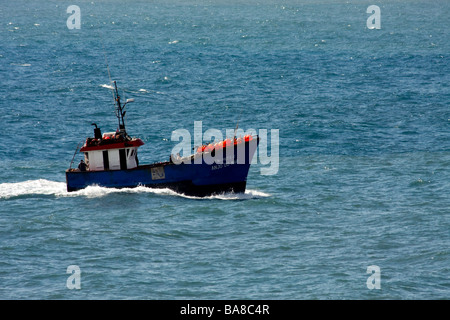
<point>111,160</point>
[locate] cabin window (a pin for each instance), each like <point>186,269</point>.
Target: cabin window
<point>123,159</point>
<point>105,160</point>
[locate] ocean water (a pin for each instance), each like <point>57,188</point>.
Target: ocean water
<point>364,149</point>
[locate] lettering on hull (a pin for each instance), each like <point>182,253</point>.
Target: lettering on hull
<point>158,173</point>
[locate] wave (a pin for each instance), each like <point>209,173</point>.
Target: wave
<point>107,86</point>
<point>21,64</point>
<point>43,187</point>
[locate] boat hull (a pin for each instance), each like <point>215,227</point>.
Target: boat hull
<point>196,177</point>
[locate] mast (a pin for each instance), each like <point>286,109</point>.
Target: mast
<point>120,113</point>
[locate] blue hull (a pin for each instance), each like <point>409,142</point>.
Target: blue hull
<point>198,179</point>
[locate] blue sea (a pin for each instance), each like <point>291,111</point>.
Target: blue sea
<point>358,208</point>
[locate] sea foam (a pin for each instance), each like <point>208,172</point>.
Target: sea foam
<point>40,187</point>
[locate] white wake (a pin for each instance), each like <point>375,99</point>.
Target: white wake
<point>43,187</point>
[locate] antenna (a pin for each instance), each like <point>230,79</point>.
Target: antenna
<point>106,61</point>
<point>120,113</point>
<point>237,124</point>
